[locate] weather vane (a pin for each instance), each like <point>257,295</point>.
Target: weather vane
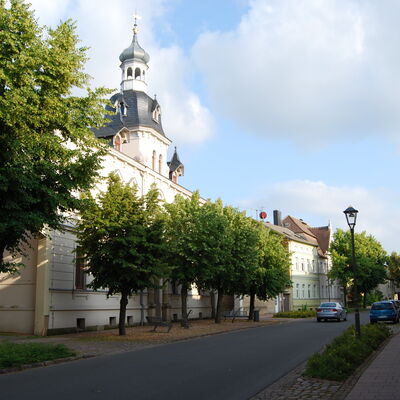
<point>136,17</point>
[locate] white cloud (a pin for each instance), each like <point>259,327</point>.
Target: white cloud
<point>106,27</point>
<point>307,70</point>
<point>317,203</point>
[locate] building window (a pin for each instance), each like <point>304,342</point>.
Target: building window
<point>313,265</point>
<point>80,272</point>
<point>309,291</point>
<point>297,263</point>
<point>174,287</point>
<point>315,291</point>
<point>297,291</point>
<point>303,290</point>
<point>309,265</point>
<point>160,163</point>
<point>153,161</point>
<point>137,73</point>
<point>117,143</point>
<point>156,114</point>
<point>302,264</point>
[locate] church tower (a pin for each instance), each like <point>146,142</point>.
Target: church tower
<point>135,126</point>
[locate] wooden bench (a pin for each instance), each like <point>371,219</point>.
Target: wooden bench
<point>240,313</point>
<point>157,321</point>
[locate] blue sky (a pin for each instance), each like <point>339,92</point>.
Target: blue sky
<point>273,104</point>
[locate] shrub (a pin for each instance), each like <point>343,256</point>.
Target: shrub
<point>17,354</point>
<point>346,352</point>
<point>295,314</point>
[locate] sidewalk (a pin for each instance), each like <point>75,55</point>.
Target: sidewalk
<point>381,380</point>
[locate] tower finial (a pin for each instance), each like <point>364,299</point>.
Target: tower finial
<point>135,28</point>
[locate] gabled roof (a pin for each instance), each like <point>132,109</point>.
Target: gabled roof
<point>139,112</point>
<point>299,226</point>
<point>323,235</point>
<point>320,235</point>
<point>290,234</point>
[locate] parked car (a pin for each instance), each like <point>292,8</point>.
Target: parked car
<point>383,311</point>
<point>331,310</point>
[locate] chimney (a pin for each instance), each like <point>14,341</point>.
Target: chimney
<point>277,218</point>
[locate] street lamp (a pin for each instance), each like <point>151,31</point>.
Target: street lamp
<point>351,217</point>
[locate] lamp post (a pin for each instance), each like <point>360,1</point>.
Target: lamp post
<point>351,217</point>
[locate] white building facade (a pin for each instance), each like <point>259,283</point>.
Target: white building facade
<point>51,293</point>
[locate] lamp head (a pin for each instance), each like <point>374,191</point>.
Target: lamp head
<point>351,216</point>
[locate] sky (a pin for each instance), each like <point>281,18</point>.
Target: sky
<point>272,104</point>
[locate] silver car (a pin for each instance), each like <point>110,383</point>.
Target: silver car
<point>331,310</point>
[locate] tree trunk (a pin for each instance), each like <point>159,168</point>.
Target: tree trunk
<point>212,298</point>
<point>184,321</point>
<point>122,313</point>
<point>251,306</point>
<point>218,314</point>
<point>345,295</point>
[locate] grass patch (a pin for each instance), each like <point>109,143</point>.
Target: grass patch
<point>346,352</point>
<point>17,354</point>
<point>295,314</point>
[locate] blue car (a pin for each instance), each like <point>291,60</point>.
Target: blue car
<point>383,311</point>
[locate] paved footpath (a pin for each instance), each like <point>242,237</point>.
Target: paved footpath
<point>381,380</point>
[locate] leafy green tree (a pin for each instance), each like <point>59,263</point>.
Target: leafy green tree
<point>370,260</point>
<point>393,269</point>
<point>47,150</point>
<point>122,238</point>
<point>272,275</point>
<point>228,249</point>
<point>183,252</point>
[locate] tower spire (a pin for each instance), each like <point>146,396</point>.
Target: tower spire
<point>134,65</point>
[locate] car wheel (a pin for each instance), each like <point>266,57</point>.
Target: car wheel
<point>338,319</point>
<point>345,319</point>
<point>318,319</point>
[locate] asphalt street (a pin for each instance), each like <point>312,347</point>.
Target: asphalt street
<point>232,366</point>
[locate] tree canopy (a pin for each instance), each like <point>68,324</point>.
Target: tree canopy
<point>184,251</point>
<point>122,238</point>
<point>47,150</point>
<point>370,260</point>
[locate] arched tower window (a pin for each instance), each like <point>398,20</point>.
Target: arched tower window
<point>143,75</point>
<point>153,161</point>
<point>122,108</point>
<point>129,73</point>
<point>137,73</point>
<point>160,163</point>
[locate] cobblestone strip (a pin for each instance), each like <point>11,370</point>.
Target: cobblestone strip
<point>295,386</point>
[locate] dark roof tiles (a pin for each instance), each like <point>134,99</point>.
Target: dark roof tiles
<point>139,112</point>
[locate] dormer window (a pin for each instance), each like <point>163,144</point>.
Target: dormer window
<point>157,114</point>
<point>123,109</point>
